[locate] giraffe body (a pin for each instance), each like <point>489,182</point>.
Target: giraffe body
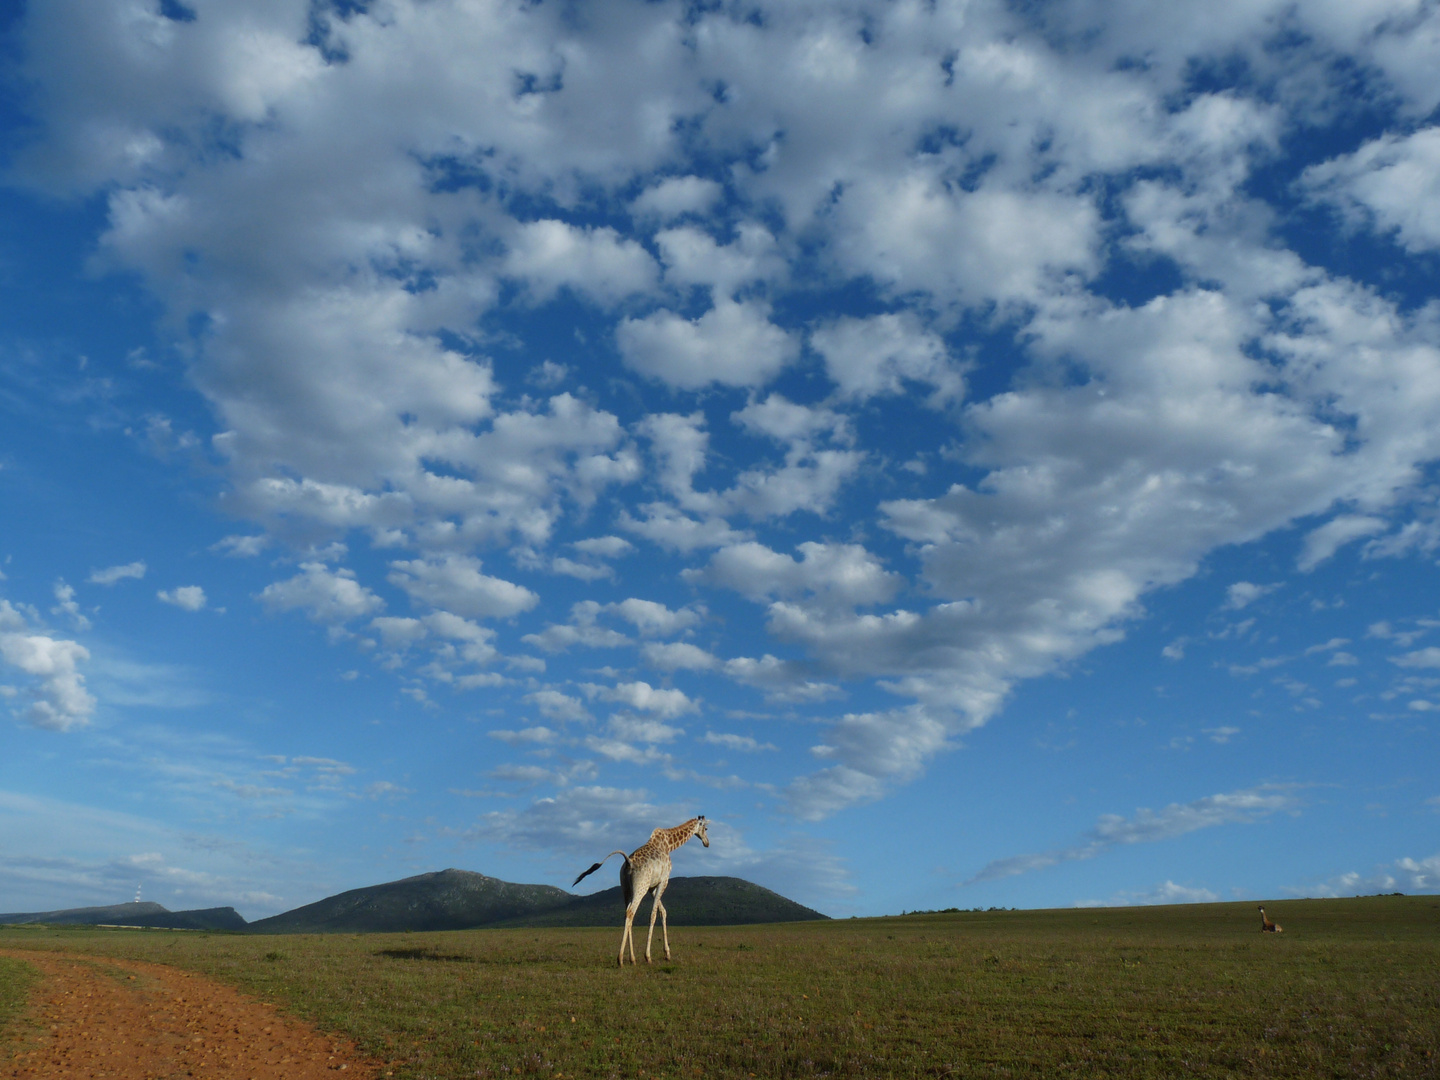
<point>1268,927</point>
<point>646,870</point>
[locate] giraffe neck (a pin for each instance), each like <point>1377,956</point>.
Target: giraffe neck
<point>670,839</point>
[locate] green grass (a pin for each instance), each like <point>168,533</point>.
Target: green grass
<point>15,980</point>
<point>1352,988</point>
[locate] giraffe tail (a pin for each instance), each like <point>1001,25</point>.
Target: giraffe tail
<point>597,866</point>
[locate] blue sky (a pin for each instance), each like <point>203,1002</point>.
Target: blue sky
<point>976,454</point>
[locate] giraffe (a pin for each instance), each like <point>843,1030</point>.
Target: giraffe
<point>1268,927</point>
<point>647,868</point>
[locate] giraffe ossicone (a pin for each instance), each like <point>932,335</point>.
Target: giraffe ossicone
<point>647,869</point>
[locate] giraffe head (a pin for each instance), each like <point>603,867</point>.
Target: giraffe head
<point>700,830</point>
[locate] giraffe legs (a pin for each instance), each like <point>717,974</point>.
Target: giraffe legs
<point>651,936</point>
<point>628,936</point>
<point>657,906</point>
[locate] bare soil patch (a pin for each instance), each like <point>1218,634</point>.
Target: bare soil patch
<point>126,1019</point>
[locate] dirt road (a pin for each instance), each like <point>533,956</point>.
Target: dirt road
<point>97,1017</point>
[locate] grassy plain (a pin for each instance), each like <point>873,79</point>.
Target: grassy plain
<point>15,980</point>
<point>1351,988</point>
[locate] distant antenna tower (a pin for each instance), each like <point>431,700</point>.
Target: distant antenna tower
<point>137,892</point>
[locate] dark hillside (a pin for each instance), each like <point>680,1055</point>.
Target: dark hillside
<point>138,913</point>
<point>215,918</point>
<point>88,916</point>
<point>689,901</point>
<point>443,900</point>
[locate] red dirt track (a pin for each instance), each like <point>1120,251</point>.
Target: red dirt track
<point>99,1017</point>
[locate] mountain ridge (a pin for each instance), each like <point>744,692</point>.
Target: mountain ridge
<point>454,899</point>
<point>137,913</point>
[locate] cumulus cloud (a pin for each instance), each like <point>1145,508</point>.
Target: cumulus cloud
<point>870,750</point>
<point>653,619</point>
<point>185,597</point>
<point>879,355</point>
<point>866,203</point>
<point>327,596</point>
<point>665,703</point>
<point>555,705</point>
<point>844,575</point>
<point>677,195</point>
<point>1420,658</point>
<point>56,698</point>
<point>1391,183</point>
<point>455,582</point>
<point>732,344</point>
<point>1406,874</point>
<point>598,263</point>
<point>678,656</point>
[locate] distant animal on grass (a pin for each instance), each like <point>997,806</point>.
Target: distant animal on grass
<point>647,869</point>
<point>1268,927</point>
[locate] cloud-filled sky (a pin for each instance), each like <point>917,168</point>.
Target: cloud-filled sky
<point>976,453</point>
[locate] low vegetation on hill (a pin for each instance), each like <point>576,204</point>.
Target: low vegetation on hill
<point>1349,989</point>
<point>693,901</point>
<point>454,900</point>
<point>444,900</point>
<point>136,913</point>
<point>462,900</point>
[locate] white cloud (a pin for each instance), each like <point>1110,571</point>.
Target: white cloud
<point>583,821</point>
<point>1391,183</point>
<point>781,680</point>
<point>66,604</point>
<point>554,705</point>
<point>677,195</point>
<point>678,656</point>
<point>595,262</point>
<point>604,547</point>
<point>1167,893</point>
<point>829,575</point>
<point>744,743</point>
<point>346,234</point>
<point>732,344</point>
<point>583,571</point>
<point>642,729</point>
<point>328,596</point>
<point>871,750</point>
<point>581,630</point>
<point>58,700</point>
<point>1148,826</point>
<point>396,632</point>
<point>1407,874</point>
<point>454,582</point>
<point>1322,543</point>
<point>655,620</point>
<point>1420,658</point>
<point>666,703</point>
<point>110,575</point>
<point>242,547</point>
<point>866,357</point>
<point>915,231</point>
<point>185,597</point>
<point>1244,593</point>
